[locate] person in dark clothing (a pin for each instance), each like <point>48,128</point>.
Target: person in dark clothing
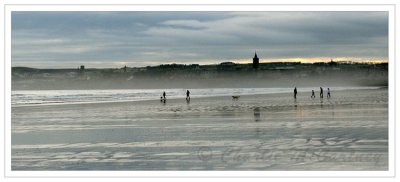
<point>321,93</point>
<point>187,95</point>
<point>295,92</point>
<point>329,93</point>
<point>164,95</point>
<point>312,94</point>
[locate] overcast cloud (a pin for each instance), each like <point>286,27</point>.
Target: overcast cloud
<point>115,39</point>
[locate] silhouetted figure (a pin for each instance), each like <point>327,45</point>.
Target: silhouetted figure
<point>329,93</point>
<point>164,96</point>
<point>312,94</point>
<point>187,95</point>
<point>295,92</point>
<point>321,92</point>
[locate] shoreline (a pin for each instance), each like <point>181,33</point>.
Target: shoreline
<point>196,98</point>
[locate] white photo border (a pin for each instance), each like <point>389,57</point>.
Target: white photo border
<point>8,8</point>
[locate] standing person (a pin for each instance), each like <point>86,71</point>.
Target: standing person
<point>312,94</point>
<point>187,95</point>
<point>295,92</point>
<point>321,92</point>
<point>329,93</point>
<point>164,96</point>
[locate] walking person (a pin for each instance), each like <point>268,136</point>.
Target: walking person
<point>187,95</point>
<point>329,93</point>
<point>312,94</point>
<point>321,92</point>
<point>295,92</point>
<point>164,96</point>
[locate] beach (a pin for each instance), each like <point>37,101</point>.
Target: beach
<point>348,131</point>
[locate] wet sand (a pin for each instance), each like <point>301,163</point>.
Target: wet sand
<point>259,132</point>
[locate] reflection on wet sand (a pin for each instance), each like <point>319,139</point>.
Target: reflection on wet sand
<point>257,114</point>
<point>258,132</point>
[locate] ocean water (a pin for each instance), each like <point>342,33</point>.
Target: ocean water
<point>46,97</point>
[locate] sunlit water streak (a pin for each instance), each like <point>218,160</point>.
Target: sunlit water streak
<point>42,97</point>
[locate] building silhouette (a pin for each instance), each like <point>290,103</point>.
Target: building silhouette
<point>81,70</point>
<point>256,61</point>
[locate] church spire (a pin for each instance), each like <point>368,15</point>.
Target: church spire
<point>256,60</point>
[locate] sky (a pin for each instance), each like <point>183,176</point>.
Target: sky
<point>136,39</point>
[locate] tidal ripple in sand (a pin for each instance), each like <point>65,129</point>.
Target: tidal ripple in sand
<point>260,132</point>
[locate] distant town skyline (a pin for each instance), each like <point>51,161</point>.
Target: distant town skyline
<point>137,39</point>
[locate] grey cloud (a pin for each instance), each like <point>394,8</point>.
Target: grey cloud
<point>66,38</point>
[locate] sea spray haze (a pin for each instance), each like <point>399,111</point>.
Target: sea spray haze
<point>206,76</point>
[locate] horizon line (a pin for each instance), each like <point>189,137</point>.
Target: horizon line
<point>237,62</point>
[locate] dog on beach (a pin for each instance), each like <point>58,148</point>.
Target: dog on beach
<point>235,97</point>
<point>162,99</point>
